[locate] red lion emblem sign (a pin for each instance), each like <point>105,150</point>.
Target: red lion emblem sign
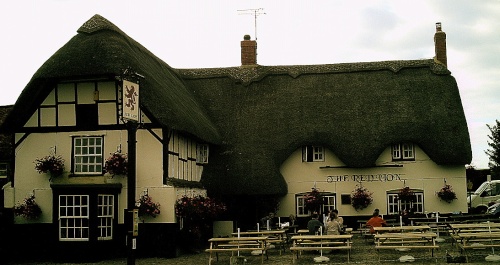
<point>130,100</point>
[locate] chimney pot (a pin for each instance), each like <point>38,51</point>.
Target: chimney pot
<point>438,26</point>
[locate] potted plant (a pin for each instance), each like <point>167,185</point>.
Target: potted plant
<point>361,198</point>
<point>406,194</point>
<point>313,200</point>
<point>196,215</point>
<point>447,193</point>
<point>29,209</point>
<point>147,207</point>
<point>116,164</point>
<point>52,164</point>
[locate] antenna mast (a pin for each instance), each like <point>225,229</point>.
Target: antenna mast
<point>255,13</point>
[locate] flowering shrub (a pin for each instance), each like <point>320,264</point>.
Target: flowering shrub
<point>313,200</point>
<point>361,198</point>
<point>406,195</point>
<point>447,193</point>
<point>50,164</point>
<point>148,207</point>
<point>198,207</point>
<point>116,164</point>
<point>29,209</point>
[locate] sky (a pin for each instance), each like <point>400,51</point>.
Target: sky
<point>207,34</point>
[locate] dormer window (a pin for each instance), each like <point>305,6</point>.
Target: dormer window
<point>202,153</point>
<point>313,153</point>
<point>405,151</point>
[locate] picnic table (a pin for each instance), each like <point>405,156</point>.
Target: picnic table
<point>404,228</point>
<point>478,240</point>
<point>277,237</point>
<point>320,243</point>
<point>406,240</point>
<point>236,245</point>
<point>347,230</point>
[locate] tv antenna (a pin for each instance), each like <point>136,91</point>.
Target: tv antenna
<point>255,12</point>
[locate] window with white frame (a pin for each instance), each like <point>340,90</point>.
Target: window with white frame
<point>3,170</point>
<point>105,216</point>
<point>328,204</point>
<point>405,151</point>
<point>300,206</point>
<point>313,153</point>
<point>73,217</point>
<point>394,206</point>
<point>88,155</point>
<point>202,153</point>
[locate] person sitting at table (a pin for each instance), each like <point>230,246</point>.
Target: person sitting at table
<point>314,224</point>
<point>333,227</point>
<point>270,217</point>
<point>375,221</point>
<point>339,219</point>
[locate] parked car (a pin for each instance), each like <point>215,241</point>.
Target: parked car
<point>485,196</point>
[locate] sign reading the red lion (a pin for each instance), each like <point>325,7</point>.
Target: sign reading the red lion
<point>130,98</point>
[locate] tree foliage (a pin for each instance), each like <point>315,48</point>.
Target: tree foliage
<point>494,151</point>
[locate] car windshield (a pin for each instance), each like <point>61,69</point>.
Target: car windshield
<point>481,188</point>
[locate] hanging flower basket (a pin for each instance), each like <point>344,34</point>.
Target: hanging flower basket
<point>199,208</point>
<point>447,194</point>
<point>147,207</point>
<point>29,209</point>
<point>116,164</point>
<point>313,200</point>
<point>361,198</point>
<point>52,164</point>
<point>406,194</point>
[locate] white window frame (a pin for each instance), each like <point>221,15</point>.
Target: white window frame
<point>405,151</point>
<point>300,206</point>
<point>394,205</point>
<point>317,153</point>
<point>3,170</point>
<point>73,215</point>
<point>105,216</point>
<point>202,153</point>
<point>88,155</point>
<point>329,203</point>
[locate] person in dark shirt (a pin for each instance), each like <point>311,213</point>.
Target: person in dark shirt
<point>314,224</point>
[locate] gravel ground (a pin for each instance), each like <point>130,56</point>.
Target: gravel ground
<point>362,253</point>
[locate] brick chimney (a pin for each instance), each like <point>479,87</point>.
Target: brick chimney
<point>440,45</point>
<point>248,51</point>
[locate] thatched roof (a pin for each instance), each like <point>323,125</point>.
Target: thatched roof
<point>264,113</point>
<point>102,49</point>
<point>6,148</point>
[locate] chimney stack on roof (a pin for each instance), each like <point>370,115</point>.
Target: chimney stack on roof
<point>440,45</point>
<point>248,51</point>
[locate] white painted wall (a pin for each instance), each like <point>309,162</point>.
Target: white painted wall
<point>420,174</point>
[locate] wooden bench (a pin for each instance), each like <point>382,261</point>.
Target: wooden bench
<point>416,240</point>
<point>237,244</point>
<point>277,237</point>
<point>478,240</point>
<point>461,228</point>
<point>321,242</point>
